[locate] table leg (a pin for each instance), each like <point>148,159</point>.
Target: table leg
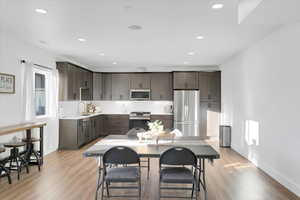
<point>99,177</point>
<point>202,177</point>
<point>42,144</point>
<point>27,148</point>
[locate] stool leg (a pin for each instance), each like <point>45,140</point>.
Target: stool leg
<point>37,159</point>
<point>18,167</point>
<point>7,173</point>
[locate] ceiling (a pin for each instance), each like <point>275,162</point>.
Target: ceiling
<point>168,34</point>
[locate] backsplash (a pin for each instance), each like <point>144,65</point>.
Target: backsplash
<point>71,108</point>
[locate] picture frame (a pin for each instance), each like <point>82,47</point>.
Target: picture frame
<point>7,83</point>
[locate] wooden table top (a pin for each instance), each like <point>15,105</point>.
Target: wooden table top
<point>20,127</point>
<point>148,148</point>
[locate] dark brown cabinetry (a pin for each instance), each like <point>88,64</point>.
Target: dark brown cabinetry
<point>97,86</point>
<point>74,133</point>
<point>116,124</point>
<point>120,86</point>
<point>161,86</point>
<point>140,81</point>
<point>210,86</point>
<point>185,80</point>
<point>106,86</point>
<point>167,120</point>
<point>71,79</point>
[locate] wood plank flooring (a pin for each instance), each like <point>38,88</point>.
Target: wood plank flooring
<point>67,175</point>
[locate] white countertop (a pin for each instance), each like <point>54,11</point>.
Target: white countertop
<point>77,117</point>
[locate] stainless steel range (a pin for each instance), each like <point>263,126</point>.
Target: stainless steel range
<point>139,120</point>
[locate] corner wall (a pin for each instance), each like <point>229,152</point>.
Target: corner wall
<point>261,100</point>
<point>11,51</point>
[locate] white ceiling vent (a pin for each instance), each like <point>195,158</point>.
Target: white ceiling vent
<point>135,27</point>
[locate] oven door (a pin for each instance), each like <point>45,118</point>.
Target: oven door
<point>139,123</point>
<point>140,95</point>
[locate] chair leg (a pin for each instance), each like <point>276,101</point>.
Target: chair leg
<point>18,167</point>
<point>140,189</point>
<point>102,189</point>
<point>148,168</point>
<point>192,195</point>
<point>107,189</point>
<point>24,163</point>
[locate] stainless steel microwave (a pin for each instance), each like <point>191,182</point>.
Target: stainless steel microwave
<point>140,94</point>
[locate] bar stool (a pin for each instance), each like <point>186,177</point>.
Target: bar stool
<point>16,161</point>
<point>31,152</point>
<point>3,170</point>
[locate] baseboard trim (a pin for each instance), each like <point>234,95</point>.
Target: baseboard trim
<point>285,182</point>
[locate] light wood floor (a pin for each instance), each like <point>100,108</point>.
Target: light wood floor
<point>67,175</point>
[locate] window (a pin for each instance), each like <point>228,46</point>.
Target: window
<point>40,93</point>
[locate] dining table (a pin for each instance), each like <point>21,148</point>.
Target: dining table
<point>152,148</point>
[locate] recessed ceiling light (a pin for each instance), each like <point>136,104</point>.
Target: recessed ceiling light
<point>186,62</point>
<point>217,6</point>
<point>81,39</point>
<point>135,27</point>
<point>101,54</point>
<point>199,37</point>
<point>114,63</point>
<point>41,11</point>
<point>191,53</point>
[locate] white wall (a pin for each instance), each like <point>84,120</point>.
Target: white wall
<point>261,99</point>
<point>11,51</point>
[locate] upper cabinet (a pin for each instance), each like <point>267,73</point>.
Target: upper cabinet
<point>185,80</point>
<point>161,86</point>
<point>140,81</point>
<point>73,82</point>
<point>97,86</point>
<point>107,86</point>
<point>120,86</point>
<point>210,86</point>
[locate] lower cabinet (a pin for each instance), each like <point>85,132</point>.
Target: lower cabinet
<point>167,120</point>
<point>74,133</point>
<point>116,124</point>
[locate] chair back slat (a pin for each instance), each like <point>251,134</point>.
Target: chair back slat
<point>120,155</point>
<point>178,156</point>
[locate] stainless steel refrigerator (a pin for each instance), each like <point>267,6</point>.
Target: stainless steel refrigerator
<point>187,112</point>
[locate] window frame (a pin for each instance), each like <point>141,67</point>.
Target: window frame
<point>46,74</point>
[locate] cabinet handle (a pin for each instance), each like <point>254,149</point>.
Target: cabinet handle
<point>121,96</point>
<point>160,96</point>
<point>141,85</point>
<point>74,96</point>
<point>85,83</point>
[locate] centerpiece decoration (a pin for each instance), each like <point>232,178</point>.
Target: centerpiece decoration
<point>156,127</point>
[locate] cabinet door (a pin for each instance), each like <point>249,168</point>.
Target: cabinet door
<point>210,86</point>
<point>203,119</point>
<point>118,124</point>
<point>120,86</point>
<point>81,135</point>
<point>204,79</point>
<point>215,86</point>
<point>97,86</point>
<point>161,86</point>
<point>107,86</point>
<point>140,81</point>
<point>63,92</point>
<point>185,80</point>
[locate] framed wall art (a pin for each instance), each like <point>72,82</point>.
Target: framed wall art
<point>7,83</point>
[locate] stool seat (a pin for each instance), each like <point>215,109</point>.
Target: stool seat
<point>31,140</point>
<point>2,150</point>
<point>14,144</point>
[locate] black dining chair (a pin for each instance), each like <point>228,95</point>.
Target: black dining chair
<point>132,133</point>
<point>121,165</point>
<point>178,165</point>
